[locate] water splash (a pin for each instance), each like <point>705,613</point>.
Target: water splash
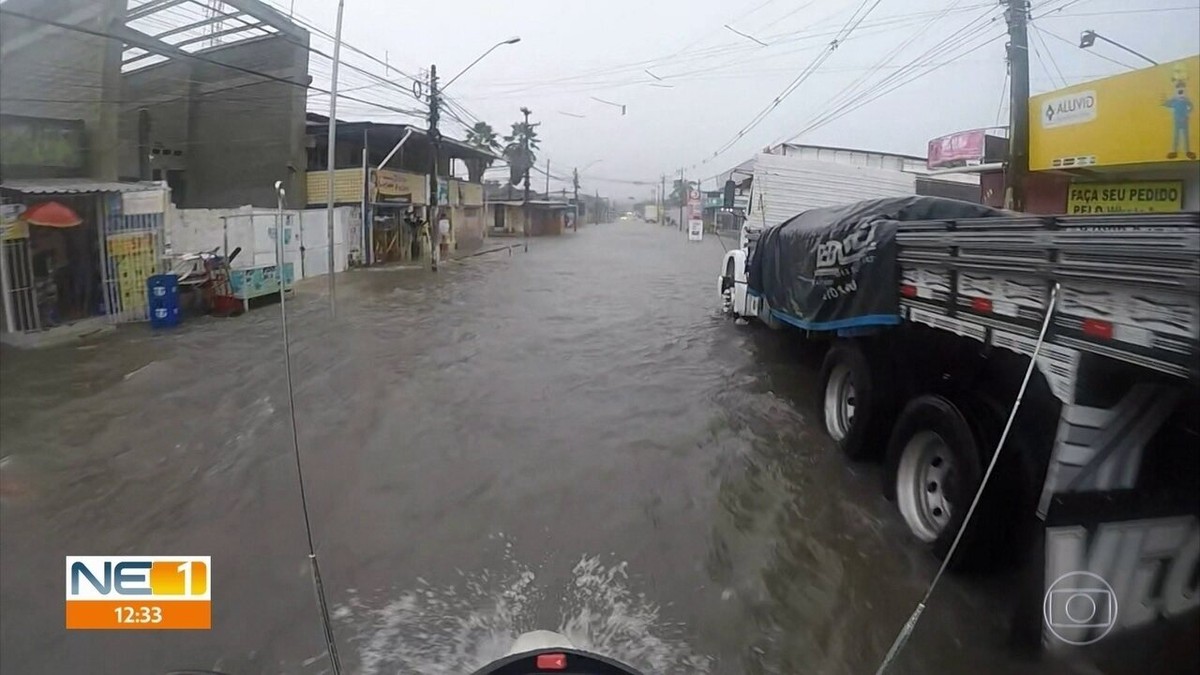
<point>601,614</point>
<point>458,628</point>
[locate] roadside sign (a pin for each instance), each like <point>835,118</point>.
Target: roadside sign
<point>695,230</point>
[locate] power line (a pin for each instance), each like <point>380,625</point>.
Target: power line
<point>913,77</point>
<point>847,29</point>
<point>1003,96</point>
<point>902,76</point>
<point>1093,52</point>
<point>400,88</point>
<point>1038,33</point>
<point>1055,10</point>
<point>179,53</point>
<point>1153,10</point>
<point>1042,62</point>
<point>753,52</point>
<point>857,87</point>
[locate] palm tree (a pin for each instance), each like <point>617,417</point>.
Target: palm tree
<point>523,136</point>
<point>483,137</point>
<point>679,191</point>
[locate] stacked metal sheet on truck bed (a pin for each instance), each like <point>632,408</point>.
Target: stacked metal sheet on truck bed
<point>1130,283</point>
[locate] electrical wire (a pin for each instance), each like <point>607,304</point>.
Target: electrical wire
<point>406,90</point>
<point>193,56</point>
<point>914,69</point>
<point>1153,10</point>
<point>1042,62</point>
<point>859,87</point>
<point>1049,55</point>
<point>752,52</point>
<point>1053,11</point>
<point>319,587</point>
<point>906,631</point>
<point>1093,52</point>
<point>1003,96</point>
<point>847,29</point>
<point>845,109</point>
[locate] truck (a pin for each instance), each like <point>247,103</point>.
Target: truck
<point>1057,355</point>
<point>650,213</point>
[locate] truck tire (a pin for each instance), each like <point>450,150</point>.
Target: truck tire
<point>1007,508</point>
<point>856,401</point>
<point>934,466</point>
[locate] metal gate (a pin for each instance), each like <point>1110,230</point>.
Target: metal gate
<point>17,268</point>
<point>131,250</point>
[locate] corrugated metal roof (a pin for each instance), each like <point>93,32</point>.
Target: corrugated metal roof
<point>45,186</point>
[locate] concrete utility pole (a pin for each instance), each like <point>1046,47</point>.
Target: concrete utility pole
<point>331,162</point>
<point>1017,170</point>
<point>575,185</point>
<point>547,178</point>
<point>662,199</point>
<point>435,234</point>
<point>528,166</point>
<point>683,197</point>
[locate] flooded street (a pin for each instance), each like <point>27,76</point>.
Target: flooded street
<point>571,438</point>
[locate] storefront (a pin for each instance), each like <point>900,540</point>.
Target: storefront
<point>1123,144</point>
<point>76,253</point>
<point>396,216</point>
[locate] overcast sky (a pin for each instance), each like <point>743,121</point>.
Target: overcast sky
<point>714,82</point>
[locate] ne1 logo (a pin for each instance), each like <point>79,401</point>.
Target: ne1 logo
<point>139,592</point>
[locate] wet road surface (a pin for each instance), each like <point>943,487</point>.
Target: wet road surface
<point>568,438</point>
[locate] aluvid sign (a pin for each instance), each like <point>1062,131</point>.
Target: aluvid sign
<point>1140,117</point>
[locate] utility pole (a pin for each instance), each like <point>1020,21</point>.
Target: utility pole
<point>596,218</point>
<point>1017,169</point>
<point>528,167</point>
<point>683,197</point>
<point>662,199</point>
<point>575,185</point>
<point>332,151</point>
<point>547,178</point>
<point>435,114</point>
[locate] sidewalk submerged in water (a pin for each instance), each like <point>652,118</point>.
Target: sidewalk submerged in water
<point>87,330</point>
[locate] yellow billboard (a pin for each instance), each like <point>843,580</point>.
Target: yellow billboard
<point>1132,197</point>
<point>1145,116</point>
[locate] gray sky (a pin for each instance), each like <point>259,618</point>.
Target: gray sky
<point>571,51</point>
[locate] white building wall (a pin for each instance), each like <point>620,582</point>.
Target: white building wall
<point>194,230</point>
<point>787,185</point>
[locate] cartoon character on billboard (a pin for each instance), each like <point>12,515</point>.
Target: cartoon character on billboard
<point>1181,106</point>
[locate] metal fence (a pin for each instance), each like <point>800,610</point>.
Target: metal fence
<point>131,250</point>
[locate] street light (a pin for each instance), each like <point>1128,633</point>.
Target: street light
<point>1089,37</point>
<point>510,41</point>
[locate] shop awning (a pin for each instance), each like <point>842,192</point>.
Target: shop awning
<point>69,186</point>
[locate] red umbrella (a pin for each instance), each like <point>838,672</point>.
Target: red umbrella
<point>51,214</point>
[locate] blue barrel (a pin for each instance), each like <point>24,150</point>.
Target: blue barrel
<point>163,294</point>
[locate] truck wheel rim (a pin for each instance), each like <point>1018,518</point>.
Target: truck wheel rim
<point>925,467</point>
<point>840,402</point>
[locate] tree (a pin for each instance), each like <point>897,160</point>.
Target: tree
<point>679,192</point>
<point>524,135</point>
<point>483,137</point>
